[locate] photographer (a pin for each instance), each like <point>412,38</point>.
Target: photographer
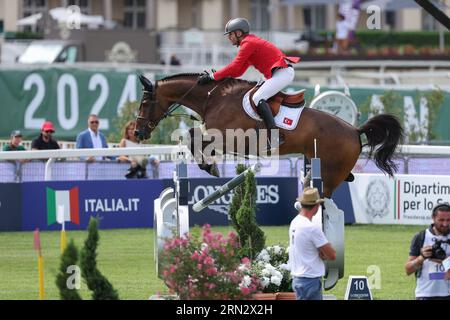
<point>429,248</point>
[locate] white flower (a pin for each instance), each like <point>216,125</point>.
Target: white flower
<point>243,267</point>
<point>266,272</point>
<point>277,249</point>
<point>203,246</point>
<point>246,281</point>
<point>265,282</point>
<point>276,280</point>
<point>263,255</point>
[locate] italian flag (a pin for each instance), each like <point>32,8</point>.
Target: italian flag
<point>62,206</point>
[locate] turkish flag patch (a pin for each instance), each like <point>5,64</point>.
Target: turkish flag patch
<point>288,121</point>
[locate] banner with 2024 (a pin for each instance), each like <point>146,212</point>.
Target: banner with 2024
<point>64,96</point>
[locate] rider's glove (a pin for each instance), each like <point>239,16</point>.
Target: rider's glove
<point>204,78</point>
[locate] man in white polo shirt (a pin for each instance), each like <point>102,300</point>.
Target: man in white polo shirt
<point>308,249</point>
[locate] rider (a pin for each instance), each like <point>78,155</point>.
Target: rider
<point>266,58</point>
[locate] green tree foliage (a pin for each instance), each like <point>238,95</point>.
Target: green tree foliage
<point>161,135</point>
<point>101,288</point>
<point>242,212</point>
<point>68,258</point>
<point>435,99</point>
<point>393,104</point>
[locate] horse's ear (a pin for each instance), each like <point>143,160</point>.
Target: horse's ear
<point>148,86</point>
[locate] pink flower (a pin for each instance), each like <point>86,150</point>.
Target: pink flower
<point>195,256</point>
<point>208,261</point>
<point>199,266</point>
<point>211,271</point>
<point>245,260</point>
<point>245,291</point>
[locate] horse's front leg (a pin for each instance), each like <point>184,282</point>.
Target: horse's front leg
<point>197,147</point>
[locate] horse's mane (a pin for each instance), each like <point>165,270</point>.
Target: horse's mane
<point>181,75</point>
<point>230,80</point>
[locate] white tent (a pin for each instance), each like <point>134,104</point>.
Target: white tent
<point>63,15</point>
<point>30,20</point>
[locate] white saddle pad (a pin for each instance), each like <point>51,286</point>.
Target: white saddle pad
<point>287,118</point>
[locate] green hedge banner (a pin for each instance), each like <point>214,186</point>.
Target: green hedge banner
<point>67,96</point>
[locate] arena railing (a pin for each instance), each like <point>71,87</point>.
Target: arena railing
<point>411,160</point>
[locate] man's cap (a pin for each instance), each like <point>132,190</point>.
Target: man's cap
<point>310,197</point>
<point>48,126</point>
<point>16,133</point>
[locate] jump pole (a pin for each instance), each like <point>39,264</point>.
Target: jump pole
<point>227,187</point>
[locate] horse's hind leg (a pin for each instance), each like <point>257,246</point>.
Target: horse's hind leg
<point>197,145</point>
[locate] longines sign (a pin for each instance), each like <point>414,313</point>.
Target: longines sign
<point>275,199</point>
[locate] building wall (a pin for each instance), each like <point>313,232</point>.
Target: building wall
<point>410,19</point>
<point>11,13</point>
<point>173,14</point>
<point>212,10</point>
<point>96,7</point>
<point>167,14</point>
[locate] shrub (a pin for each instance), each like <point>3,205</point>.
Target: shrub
<point>206,268</point>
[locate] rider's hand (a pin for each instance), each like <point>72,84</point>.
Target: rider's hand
<point>426,252</point>
<point>204,79</point>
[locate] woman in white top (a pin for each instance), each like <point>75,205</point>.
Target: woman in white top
<point>138,162</point>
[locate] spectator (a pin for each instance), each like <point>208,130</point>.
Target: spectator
<point>15,142</point>
<point>308,248</point>
<point>92,137</point>
<point>342,31</point>
<point>138,164</point>
<point>45,140</point>
<point>174,61</point>
<point>429,271</point>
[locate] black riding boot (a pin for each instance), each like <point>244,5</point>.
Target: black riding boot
<point>266,114</point>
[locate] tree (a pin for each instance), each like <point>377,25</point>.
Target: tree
<point>242,212</point>
<point>162,133</point>
<point>101,288</point>
<point>69,258</point>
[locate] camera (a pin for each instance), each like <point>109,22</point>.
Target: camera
<point>437,252</point>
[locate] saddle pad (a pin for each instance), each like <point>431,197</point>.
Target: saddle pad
<point>287,118</point>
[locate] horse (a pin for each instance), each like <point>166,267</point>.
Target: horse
<point>219,104</point>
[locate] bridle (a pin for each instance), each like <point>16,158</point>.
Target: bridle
<point>147,122</point>
<point>174,106</point>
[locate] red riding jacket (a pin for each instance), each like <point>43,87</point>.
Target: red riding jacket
<point>257,52</point>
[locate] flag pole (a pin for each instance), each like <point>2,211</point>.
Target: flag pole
<point>62,220</point>
<point>37,246</point>
<point>63,237</point>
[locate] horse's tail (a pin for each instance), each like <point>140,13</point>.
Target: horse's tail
<point>386,130</point>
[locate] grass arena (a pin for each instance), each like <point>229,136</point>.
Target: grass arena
<point>120,161</point>
<point>126,258</point>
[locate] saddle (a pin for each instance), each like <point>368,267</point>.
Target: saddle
<point>293,100</point>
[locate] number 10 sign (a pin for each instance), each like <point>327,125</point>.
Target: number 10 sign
<point>358,289</point>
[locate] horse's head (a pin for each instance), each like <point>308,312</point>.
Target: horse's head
<point>150,113</point>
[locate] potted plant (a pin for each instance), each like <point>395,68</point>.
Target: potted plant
<point>272,269</point>
<point>207,267</point>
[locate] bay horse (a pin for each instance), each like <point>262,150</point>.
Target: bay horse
<point>219,104</point>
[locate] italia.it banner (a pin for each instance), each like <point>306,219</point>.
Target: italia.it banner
<point>405,199</point>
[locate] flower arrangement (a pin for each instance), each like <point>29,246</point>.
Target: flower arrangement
<point>207,267</point>
<point>271,268</point>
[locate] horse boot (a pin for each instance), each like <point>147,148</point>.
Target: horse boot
<point>265,113</point>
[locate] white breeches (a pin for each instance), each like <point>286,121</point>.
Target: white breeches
<point>280,79</point>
